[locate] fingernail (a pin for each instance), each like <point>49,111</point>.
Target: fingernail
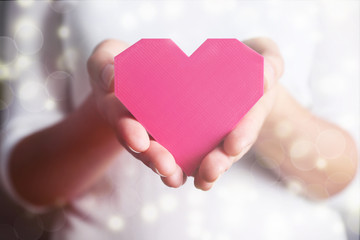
<point>269,74</point>
<point>152,166</point>
<point>133,149</point>
<point>157,171</point>
<point>107,76</point>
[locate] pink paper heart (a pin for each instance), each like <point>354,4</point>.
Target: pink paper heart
<point>188,104</point>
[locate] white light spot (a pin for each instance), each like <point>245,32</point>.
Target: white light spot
<point>4,72</point>
<point>128,21</point>
<point>50,105</point>
<point>29,90</point>
<point>300,149</point>
<point>295,186</point>
<point>321,163</point>
<point>149,213</point>
<point>28,37</point>
<point>63,32</point>
<point>25,3</point>
<point>22,63</point>
<point>283,129</point>
<point>301,154</point>
<point>168,202</point>
<point>116,223</point>
<point>147,11</point>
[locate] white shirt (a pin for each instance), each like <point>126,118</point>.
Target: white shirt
<point>53,42</point>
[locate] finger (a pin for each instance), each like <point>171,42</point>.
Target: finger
<point>176,180</point>
<point>201,183</point>
<point>160,159</point>
<point>100,64</point>
<point>130,133</point>
<point>273,60</point>
<point>244,135</point>
<point>214,164</point>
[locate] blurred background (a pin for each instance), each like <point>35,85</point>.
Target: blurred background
<point>319,41</point>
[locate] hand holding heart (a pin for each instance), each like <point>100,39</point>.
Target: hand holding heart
<point>133,136</point>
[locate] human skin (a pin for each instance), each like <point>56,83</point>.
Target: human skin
<point>56,164</point>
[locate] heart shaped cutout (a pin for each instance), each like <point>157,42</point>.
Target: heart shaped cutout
<point>188,103</point>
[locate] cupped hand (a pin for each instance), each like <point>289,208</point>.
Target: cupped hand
<point>130,133</point>
<point>244,135</point>
<point>133,136</point>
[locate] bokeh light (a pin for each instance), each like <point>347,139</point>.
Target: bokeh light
<point>29,90</point>
<point>32,95</point>
<point>5,72</point>
<point>321,163</point>
<point>22,64</point>
<point>28,40</point>
<point>25,3</point>
<point>301,154</point>
<point>63,32</point>
<point>149,213</point>
<point>168,202</point>
<point>50,104</point>
<point>284,128</point>
<point>295,185</point>
<point>116,223</point>
<point>28,37</point>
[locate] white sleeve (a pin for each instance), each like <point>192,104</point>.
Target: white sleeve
<point>36,95</point>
